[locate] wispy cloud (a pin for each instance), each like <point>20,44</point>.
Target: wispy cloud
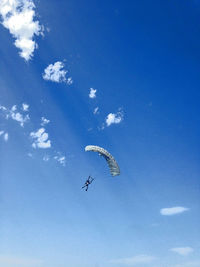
<point>96,110</point>
<point>61,160</point>
<point>18,16</point>
<point>5,137</point>
<point>173,210</point>
<point>184,251</point>
<point>44,121</point>
<point>46,158</point>
<point>92,93</point>
<point>58,157</point>
<point>134,261</point>
<point>40,138</point>
<point>56,73</point>
<point>3,108</point>
<point>114,118</point>
<point>17,261</point>
<point>25,107</point>
<point>195,263</point>
<point>69,81</point>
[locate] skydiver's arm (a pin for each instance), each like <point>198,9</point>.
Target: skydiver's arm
<point>92,179</point>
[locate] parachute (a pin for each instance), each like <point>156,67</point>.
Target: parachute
<point>113,166</point>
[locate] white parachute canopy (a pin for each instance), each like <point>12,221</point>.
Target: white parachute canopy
<point>114,168</point>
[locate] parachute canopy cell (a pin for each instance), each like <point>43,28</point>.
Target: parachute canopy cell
<point>113,166</point>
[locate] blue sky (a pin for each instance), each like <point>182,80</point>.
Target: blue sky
<point>123,75</point>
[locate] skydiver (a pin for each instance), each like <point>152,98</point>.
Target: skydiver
<point>88,182</point>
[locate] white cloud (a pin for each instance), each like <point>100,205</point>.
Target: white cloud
<point>56,73</point>
<point>3,108</point>
<point>25,107</point>
<point>102,127</point>
<point>15,115</point>
<point>134,261</point>
<point>19,117</point>
<point>69,81</point>
<point>173,210</point>
<point>61,160</point>
<point>18,16</point>
<point>92,93</point>
<point>96,110</point>
<point>184,251</point>
<point>14,108</point>
<point>44,121</point>
<point>40,139</point>
<point>46,158</point>
<point>114,118</point>
<point>5,137</point>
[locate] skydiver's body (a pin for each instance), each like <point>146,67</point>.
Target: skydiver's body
<point>88,182</point>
